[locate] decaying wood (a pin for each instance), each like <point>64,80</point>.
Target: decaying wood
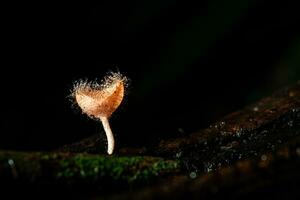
<point>273,175</point>
<point>261,127</point>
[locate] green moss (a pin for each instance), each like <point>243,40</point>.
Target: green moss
<point>85,168</point>
<point>128,169</point>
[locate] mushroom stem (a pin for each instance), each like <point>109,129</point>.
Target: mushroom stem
<point>109,135</point>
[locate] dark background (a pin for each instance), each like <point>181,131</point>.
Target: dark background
<point>189,63</point>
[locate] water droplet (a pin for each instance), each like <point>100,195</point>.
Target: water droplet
<point>291,123</point>
<point>222,124</point>
<point>264,157</point>
<point>82,173</point>
<point>11,162</point>
<point>193,175</point>
<point>179,154</point>
<point>208,167</point>
<point>223,132</point>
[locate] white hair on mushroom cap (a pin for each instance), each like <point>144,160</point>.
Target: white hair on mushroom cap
<point>101,100</point>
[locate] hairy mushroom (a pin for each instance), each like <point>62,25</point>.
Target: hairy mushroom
<point>101,100</point>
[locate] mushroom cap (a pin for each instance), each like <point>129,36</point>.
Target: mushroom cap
<point>100,102</point>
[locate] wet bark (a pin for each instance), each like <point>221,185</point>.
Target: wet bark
<point>258,128</point>
<point>271,175</point>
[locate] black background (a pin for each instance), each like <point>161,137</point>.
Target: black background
<point>189,63</point>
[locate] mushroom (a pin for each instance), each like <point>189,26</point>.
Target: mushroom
<point>99,101</point>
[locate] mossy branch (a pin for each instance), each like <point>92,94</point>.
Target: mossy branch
<point>273,175</point>
<point>82,169</point>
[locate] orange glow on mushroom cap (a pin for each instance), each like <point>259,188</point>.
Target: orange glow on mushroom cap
<point>100,101</point>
